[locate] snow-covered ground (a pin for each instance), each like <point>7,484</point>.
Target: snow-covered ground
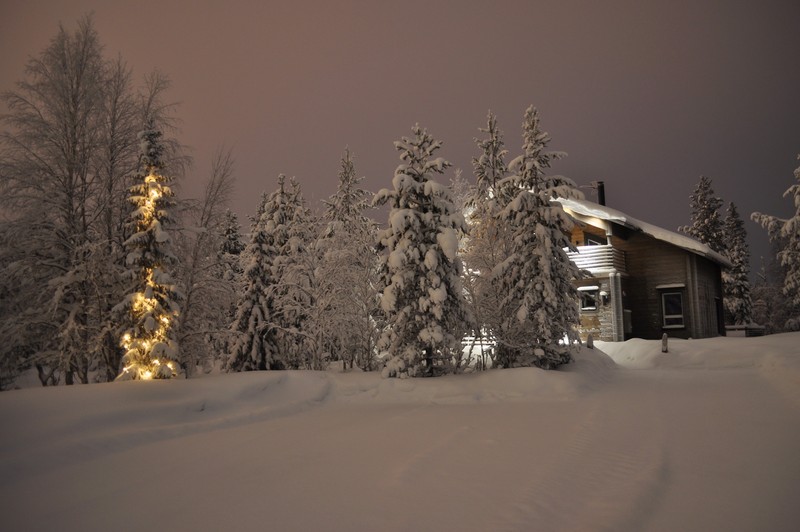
<point>705,437</point>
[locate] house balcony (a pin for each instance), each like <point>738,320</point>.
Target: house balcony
<point>599,259</point>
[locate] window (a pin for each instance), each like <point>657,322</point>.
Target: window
<point>672,307</point>
<point>594,240</point>
<point>589,297</point>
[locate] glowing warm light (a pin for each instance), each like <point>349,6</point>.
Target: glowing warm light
<point>153,324</point>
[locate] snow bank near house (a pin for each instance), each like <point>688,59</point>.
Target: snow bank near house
<point>773,357</point>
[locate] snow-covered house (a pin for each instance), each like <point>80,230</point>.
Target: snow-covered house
<point>643,280</point>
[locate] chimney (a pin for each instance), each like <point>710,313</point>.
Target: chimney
<point>601,192</point>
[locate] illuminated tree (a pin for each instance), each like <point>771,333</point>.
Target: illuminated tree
<point>149,343</point>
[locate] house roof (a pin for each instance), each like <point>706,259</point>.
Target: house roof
<point>602,212</point>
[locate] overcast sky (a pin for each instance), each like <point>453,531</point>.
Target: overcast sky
<point>646,96</point>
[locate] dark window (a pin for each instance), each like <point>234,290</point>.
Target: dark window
<point>594,240</point>
<point>589,299</point>
<point>672,306</point>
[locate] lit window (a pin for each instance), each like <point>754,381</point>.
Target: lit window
<point>672,307</point>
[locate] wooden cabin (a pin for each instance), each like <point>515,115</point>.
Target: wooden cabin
<point>641,280</point>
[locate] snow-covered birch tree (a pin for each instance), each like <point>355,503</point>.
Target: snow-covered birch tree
<point>420,284</point>
<point>787,233</point>
<point>208,293</point>
<point>46,189</point>
<point>538,307</point>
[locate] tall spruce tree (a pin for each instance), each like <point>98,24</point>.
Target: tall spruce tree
<point>421,293</point>
<point>706,226</point>
<point>344,210</point>
<point>489,167</point>
<point>150,347</point>
<point>735,281</point>
<point>486,246</point>
<point>347,273</point>
<point>295,285</point>
<point>538,307</point>
<point>231,235</point>
<point>786,232</point>
<point>258,343</point>
<point>254,346</point>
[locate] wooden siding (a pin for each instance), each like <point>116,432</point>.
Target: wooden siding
<point>652,263</point>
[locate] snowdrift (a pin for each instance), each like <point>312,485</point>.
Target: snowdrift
<point>625,438</point>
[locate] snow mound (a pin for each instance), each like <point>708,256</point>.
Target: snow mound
<point>81,422</point>
<point>774,357</point>
<point>590,369</point>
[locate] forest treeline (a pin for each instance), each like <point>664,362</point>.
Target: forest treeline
<point>106,273</point>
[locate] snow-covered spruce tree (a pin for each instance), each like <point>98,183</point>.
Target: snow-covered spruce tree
<point>735,281</point>
<point>706,226</point>
<point>486,246</point>
<point>787,232</point>
<point>231,235</point>
<point>295,287</point>
<point>151,350</point>
<point>229,271</point>
<point>538,307</point>
<point>420,270</point>
<point>489,167</point>
<point>344,210</point>
<point>347,273</point>
<point>254,345</point>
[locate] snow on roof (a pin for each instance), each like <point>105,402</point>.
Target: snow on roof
<point>587,208</point>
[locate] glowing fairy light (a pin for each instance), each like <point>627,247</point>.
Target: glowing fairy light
<point>148,345</point>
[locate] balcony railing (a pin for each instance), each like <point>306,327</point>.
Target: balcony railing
<point>599,258</point>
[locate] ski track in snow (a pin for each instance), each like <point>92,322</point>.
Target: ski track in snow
<point>613,483</point>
